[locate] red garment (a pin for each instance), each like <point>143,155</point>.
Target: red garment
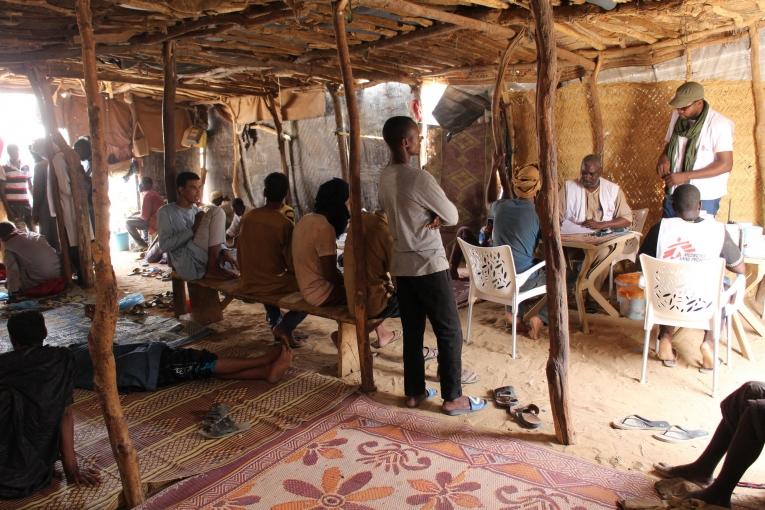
<point>151,201</point>
<point>49,288</point>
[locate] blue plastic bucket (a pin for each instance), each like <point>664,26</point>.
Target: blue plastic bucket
<point>121,241</point>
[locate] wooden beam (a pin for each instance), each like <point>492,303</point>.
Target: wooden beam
<point>76,177</point>
<point>168,118</point>
<point>421,34</point>
<point>759,114</point>
<point>496,124</point>
<point>596,114</point>
<point>215,24</point>
<point>274,111</point>
<point>547,80</point>
<point>354,170</point>
<point>422,11</point>
<point>102,329</point>
<point>570,31</point>
<point>626,30</point>
<point>342,147</point>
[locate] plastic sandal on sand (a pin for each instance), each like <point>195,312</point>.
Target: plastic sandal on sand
<point>527,416</point>
<point>430,353</point>
<point>505,396</point>
<point>677,434</point>
<point>635,422</point>
<point>396,337</point>
<point>476,404</point>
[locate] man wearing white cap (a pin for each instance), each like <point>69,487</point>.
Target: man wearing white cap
<point>699,149</point>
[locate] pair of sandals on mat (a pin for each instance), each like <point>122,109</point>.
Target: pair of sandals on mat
<point>669,433</point>
<point>526,416</point>
<point>218,424</point>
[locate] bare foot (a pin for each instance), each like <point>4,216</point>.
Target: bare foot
<point>534,327</point>
<point>707,356</point>
<point>685,471</point>
<point>218,273</point>
<point>412,402</point>
<point>286,338</point>
<point>280,366</point>
<point>666,352</point>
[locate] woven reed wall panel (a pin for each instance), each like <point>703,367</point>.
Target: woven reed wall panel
<point>186,160</point>
<point>220,153</point>
<point>635,118</point>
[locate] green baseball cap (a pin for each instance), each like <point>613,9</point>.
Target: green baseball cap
<point>686,94</point>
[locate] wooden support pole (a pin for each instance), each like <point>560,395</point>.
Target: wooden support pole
<point>274,111</point>
<point>557,364</point>
<point>105,319</point>
<point>168,117</point>
<point>596,114</point>
<point>759,115</point>
<point>354,168</point>
<point>496,124</point>
<point>168,142</point>
<point>76,177</point>
<point>342,147</point>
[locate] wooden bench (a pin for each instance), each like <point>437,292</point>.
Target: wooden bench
<point>207,308</point>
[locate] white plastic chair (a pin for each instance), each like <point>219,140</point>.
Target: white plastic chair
<point>631,248</point>
<point>732,298</point>
<point>685,295</point>
<point>493,278</point>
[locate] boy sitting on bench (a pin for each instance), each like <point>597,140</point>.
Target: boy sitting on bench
<point>195,240</point>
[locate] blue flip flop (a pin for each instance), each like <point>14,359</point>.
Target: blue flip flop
<point>476,404</point>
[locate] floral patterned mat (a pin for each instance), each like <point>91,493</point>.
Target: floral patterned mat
<point>364,455</point>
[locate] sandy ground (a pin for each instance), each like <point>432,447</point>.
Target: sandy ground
<point>603,379</point>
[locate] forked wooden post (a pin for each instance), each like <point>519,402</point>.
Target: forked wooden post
<point>168,142</point>
<point>496,124</point>
<point>105,319</point>
<point>557,364</point>
<point>354,167</point>
<point>274,111</point>
<point>76,178</point>
<point>759,113</point>
<point>342,146</point>
<point>596,113</point>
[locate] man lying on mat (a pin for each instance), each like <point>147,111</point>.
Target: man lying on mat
<point>36,425</point>
<point>194,239</point>
<point>152,365</point>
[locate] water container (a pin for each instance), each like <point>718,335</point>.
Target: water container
<point>121,241</point>
<point>630,296</point>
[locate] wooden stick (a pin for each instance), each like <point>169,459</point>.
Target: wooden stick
<point>76,178</point>
<point>168,142</point>
<point>105,319</point>
<point>496,127</point>
<point>354,168</point>
<point>596,114</point>
<point>420,35</point>
<point>342,147</point>
<point>274,111</point>
<point>759,114</point>
<point>557,364</point>
<point>243,164</point>
<point>168,118</point>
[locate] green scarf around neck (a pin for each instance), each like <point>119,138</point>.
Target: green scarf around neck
<point>690,129</point>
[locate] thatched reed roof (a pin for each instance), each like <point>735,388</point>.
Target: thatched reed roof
<point>242,47</point>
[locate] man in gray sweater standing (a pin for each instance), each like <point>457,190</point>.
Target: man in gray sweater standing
<point>417,207</point>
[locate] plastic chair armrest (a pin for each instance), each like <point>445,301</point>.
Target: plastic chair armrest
<point>522,277</point>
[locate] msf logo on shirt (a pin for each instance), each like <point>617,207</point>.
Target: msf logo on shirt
<point>683,250</point>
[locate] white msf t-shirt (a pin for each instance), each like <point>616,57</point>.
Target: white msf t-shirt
<point>716,136</point>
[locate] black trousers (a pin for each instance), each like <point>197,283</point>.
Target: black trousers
<point>746,403</point>
<point>432,297</point>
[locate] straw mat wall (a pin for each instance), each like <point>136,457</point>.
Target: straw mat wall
<point>635,117</point>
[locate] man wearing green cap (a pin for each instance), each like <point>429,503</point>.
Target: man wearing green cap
<point>699,149</point>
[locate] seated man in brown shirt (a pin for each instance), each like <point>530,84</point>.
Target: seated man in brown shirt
<point>381,297</point>
<point>314,246</point>
<point>265,260</point>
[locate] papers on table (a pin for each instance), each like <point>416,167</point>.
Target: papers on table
<point>569,227</point>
